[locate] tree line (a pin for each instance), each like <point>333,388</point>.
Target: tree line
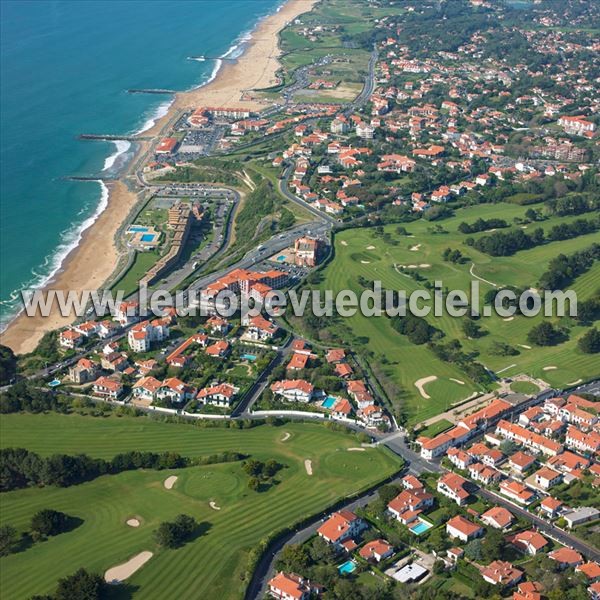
<point>20,468</point>
<point>507,244</point>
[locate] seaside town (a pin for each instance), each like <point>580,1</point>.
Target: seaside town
<point>399,141</point>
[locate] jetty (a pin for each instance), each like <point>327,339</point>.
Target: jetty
<point>202,57</point>
<point>151,91</point>
<point>88,178</point>
<point>111,137</point>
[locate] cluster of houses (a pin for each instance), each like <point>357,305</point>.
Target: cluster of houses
<point>558,444</point>
<point>357,403</point>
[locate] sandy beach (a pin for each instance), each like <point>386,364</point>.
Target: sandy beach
<point>89,265</point>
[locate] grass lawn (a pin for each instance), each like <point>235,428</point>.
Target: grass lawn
<point>141,264</point>
<point>436,428</point>
<point>523,387</point>
<point>211,565</point>
<point>361,253</point>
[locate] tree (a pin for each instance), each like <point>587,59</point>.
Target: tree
<point>474,550</point>
<point>8,538</point>
<point>8,365</point>
<point>545,334</point>
<point>294,557</point>
<point>172,534</point>
<point>388,492</point>
<point>589,343</point>
<point>49,522</point>
<point>471,329</point>
<point>81,586</point>
<point>254,484</point>
<point>492,545</point>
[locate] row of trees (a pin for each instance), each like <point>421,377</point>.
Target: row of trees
<point>507,244</point>
<point>21,468</point>
<point>482,225</point>
<point>564,269</point>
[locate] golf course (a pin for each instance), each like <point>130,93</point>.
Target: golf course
<point>392,256</point>
<point>119,513</point>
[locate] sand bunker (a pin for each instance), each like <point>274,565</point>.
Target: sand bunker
<point>365,262</point>
<point>214,505</point>
<point>457,381</point>
<point>286,436</point>
<point>523,226</point>
<point>308,466</point>
<point>370,247</point>
<point>133,522</point>
<point>421,382</point>
<point>344,243</point>
<point>508,319</point>
<point>170,482</point>
<point>415,248</point>
<point>575,382</point>
<point>424,265</point>
<point>524,346</point>
<point>356,449</point>
<point>122,572</point>
<point>550,368</point>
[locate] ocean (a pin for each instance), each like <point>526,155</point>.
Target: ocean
<point>65,67</point>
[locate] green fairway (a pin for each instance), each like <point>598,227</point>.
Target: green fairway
<point>211,565</point>
<point>361,253</point>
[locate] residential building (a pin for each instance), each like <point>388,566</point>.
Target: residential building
<point>218,395</point>
<point>463,529</point>
<point>516,491</point>
<point>70,339</point>
<point>498,517</point>
<point>566,557</point>
<point>501,573</point>
<point>581,515</point>
<point>106,387</point>
<point>377,550</point>
<point>83,371</point>
<point>340,526</point>
<point>547,478</point>
<point>146,388</point>
<point>529,541</point>
<point>293,390</point>
<point>453,486</point>
<point>289,586</point>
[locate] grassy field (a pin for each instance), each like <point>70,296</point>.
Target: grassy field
<point>211,565</point>
<point>361,252</point>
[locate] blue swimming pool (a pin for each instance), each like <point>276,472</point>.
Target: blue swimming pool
<point>329,402</point>
<point>137,229</point>
<point>250,357</point>
<point>54,383</point>
<point>281,258</point>
<point>421,527</point>
<point>347,567</point>
<point>147,237</point>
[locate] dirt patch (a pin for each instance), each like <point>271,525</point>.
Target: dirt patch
<point>356,449</point>
<point>133,522</point>
<point>286,436</point>
<point>214,505</point>
<point>127,569</point>
<point>170,482</point>
<point>420,383</point>
<point>308,466</point>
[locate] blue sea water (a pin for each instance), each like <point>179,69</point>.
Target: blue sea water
<point>65,67</point>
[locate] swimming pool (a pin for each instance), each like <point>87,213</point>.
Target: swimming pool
<point>421,527</point>
<point>147,237</point>
<point>137,229</point>
<point>250,357</point>
<point>281,258</point>
<point>347,567</point>
<point>329,402</point>
<point>54,383</point>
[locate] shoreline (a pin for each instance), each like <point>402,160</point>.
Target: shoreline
<point>89,264</point>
